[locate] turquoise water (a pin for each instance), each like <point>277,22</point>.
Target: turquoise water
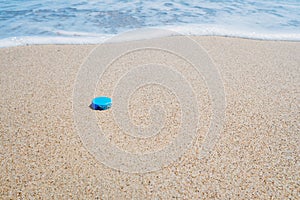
<point>80,21</point>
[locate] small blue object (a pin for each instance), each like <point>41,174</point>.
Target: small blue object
<point>101,103</point>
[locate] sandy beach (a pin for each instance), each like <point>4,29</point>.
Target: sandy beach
<point>256,156</point>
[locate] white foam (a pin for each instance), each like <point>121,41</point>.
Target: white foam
<point>234,31</point>
<point>140,34</point>
<point>77,34</point>
<point>23,41</point>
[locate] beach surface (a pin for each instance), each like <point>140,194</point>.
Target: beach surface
<point>256,156</point>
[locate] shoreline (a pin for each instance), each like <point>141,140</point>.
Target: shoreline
<point>60,40</point>
<point>255,156</point>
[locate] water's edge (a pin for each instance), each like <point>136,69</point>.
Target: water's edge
<point>139,34</point>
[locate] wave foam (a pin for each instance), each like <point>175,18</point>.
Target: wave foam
<point>195,30</point>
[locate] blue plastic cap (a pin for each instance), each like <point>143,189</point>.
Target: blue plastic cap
<point>101,103</point>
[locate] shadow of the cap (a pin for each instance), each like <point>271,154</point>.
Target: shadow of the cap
<point>97,108</point>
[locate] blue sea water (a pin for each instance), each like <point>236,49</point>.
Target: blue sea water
<point>92,21</point>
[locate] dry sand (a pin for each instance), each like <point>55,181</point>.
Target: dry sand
<point>257,155</point>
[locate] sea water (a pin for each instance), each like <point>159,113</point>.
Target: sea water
<point>93,21</point>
